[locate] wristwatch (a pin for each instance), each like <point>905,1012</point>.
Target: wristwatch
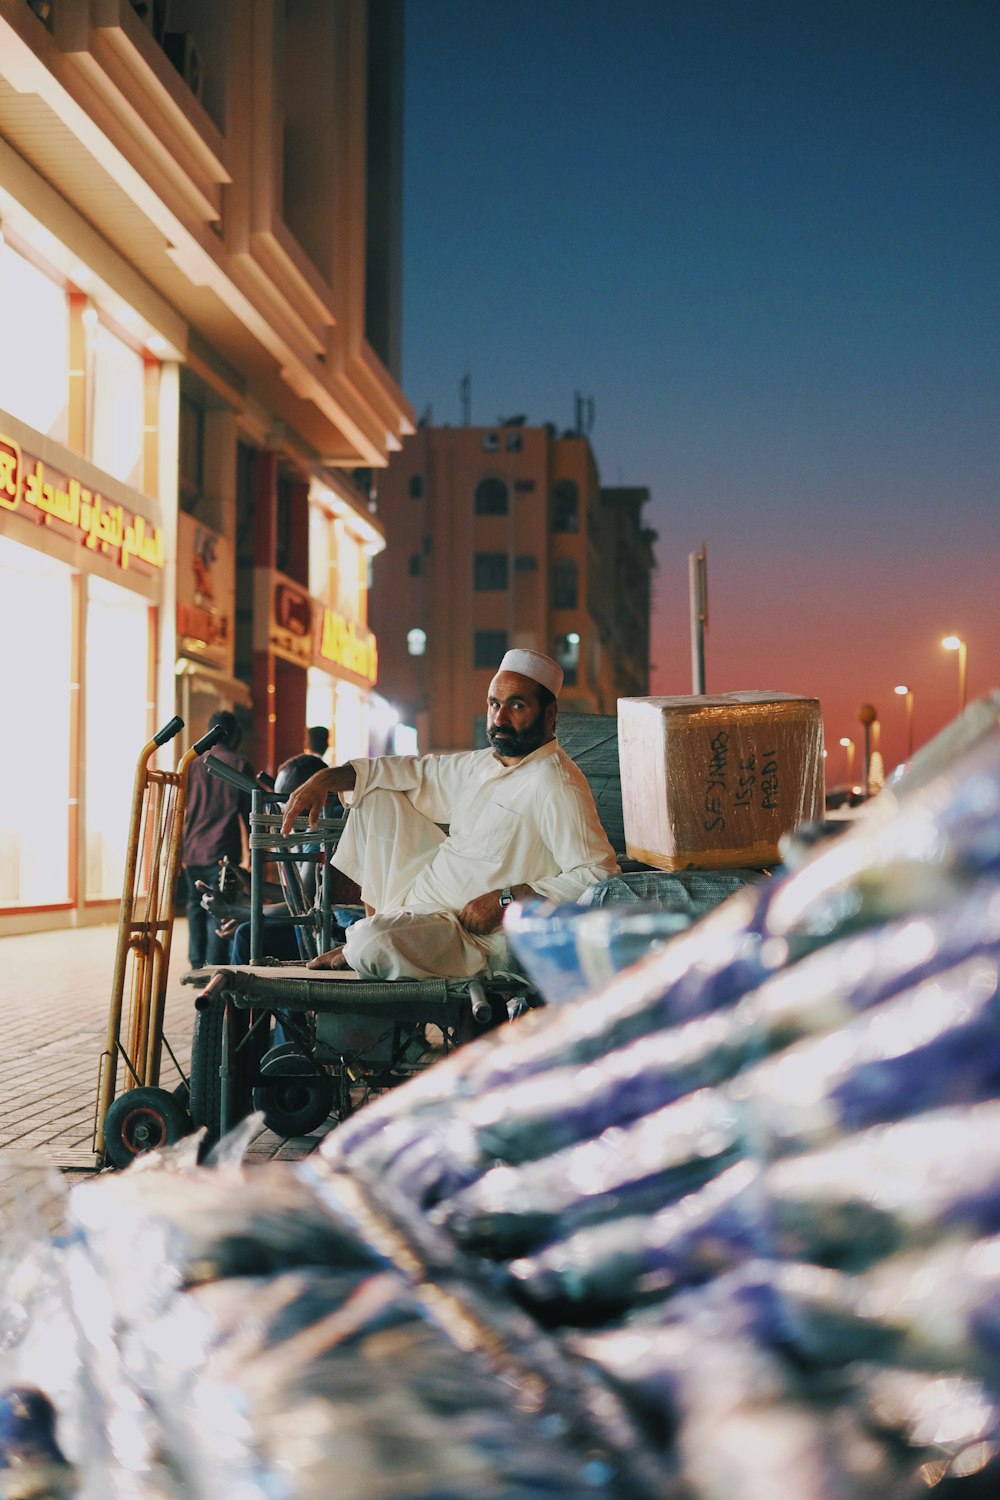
<point>506,897</point>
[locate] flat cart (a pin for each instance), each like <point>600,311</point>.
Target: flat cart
<point>139,1115</point>
<point>344,1037</point>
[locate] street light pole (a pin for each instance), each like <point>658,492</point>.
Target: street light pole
<point>904,692</point>
<point>848,745</point>
<point>867,716</point>
<point>956,643</point>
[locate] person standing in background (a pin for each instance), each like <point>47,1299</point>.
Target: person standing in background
<point>216,827</point>
<point>318,743</point>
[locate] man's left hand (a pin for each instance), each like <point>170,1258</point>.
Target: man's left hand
<point>483,915</point>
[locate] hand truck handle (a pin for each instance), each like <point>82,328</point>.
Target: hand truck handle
<point>238,779</point>
<point>208,740</point>
<point>172,727</point>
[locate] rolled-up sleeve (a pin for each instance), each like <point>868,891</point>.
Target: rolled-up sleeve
<point>435,784</point>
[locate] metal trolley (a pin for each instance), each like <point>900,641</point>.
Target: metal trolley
<point>141,1115</point>
<point>345,1038</point>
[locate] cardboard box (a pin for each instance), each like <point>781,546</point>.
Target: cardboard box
<point>714,782</point>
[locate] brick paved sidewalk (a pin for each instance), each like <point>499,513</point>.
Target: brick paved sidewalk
<point>55,990</point>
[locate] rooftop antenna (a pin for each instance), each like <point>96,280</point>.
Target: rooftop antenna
<point>465,391</point>
<point>578,406</point>
<point>590,415</point>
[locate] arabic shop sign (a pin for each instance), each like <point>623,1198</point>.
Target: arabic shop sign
<point>37,492</point>
<point>340,643</point>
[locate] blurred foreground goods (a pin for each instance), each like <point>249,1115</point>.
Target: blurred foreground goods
<point>716,781</point>
<point>727,1227</point>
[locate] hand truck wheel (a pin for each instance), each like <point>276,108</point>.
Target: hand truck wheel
<point>141,1120</point>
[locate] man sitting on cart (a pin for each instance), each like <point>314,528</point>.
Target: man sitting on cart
<point>521,820</point>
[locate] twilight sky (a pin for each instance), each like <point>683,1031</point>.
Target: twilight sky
<point>764,237</point>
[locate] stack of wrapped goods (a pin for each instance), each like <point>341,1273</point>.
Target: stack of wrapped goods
<point>728,1228</point>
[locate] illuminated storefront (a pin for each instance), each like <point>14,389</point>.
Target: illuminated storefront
<point>344,652</point>
<point>83,554</point>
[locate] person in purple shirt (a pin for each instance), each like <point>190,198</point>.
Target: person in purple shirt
<point>216,827</point>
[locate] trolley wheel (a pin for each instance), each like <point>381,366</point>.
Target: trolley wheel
<point>293,1096</point>
<point>206,1060</point>
<point>142,1120</point>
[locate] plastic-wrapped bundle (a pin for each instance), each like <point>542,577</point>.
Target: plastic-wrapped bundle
<point>523,1121</point>
<point>721,1364</point>
<point>849,1204</point>
<point>913,857</point>
<point>742,1421</point>
<point>623,1171</point>
<point>935,1045</point>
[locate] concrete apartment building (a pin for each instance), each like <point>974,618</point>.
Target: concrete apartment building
<point>498,537</point>
<point>199,352</point>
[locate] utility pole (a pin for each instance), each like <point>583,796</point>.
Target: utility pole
<point>698,596</point>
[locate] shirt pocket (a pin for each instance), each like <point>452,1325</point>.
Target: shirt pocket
<point>488,837</point>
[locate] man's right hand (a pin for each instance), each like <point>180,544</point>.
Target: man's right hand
<point>310,797</point>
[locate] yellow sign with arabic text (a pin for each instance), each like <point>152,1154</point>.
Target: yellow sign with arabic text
<point>339,642</point>
<point>27,486</point>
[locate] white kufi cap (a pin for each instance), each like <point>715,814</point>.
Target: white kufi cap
<point>536,666</point>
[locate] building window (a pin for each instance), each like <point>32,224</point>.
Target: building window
<point>567,654</point>
<point>488,646</point>
<point>524,486</point>
<point>191,455</point>
<point>566,506</point>
<point>117,414</point>
<point>564,583</point>
<point>525,563</point>
<point>490,570</point>
<point>416,486</point>
<point>34,316</point>
<point>416,565</point>
<point>513,442</point>
<point>416,641</point>
<point>491,497</point>
<point>490,442</point>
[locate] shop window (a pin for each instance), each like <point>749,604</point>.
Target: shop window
<point>117,382</point>
<point>564,584</point>
<point>34,315</point>
<point>488,646</point>
<point>491,497</point>
<point>490,570</point>
<point>566,506</point>
<point>416,486</point>
<point>36,602</point>
<point>116,726</point>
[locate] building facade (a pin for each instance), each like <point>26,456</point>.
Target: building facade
<point>199,354</point>
<point>500,537</point>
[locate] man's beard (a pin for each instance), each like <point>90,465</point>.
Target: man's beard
<point>515,743</point>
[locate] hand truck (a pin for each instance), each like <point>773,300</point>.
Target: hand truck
<point>142,1115</point>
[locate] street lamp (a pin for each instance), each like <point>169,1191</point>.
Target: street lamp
<point>848,745</point>
<point>955,643</point>
<point>904,692</point>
